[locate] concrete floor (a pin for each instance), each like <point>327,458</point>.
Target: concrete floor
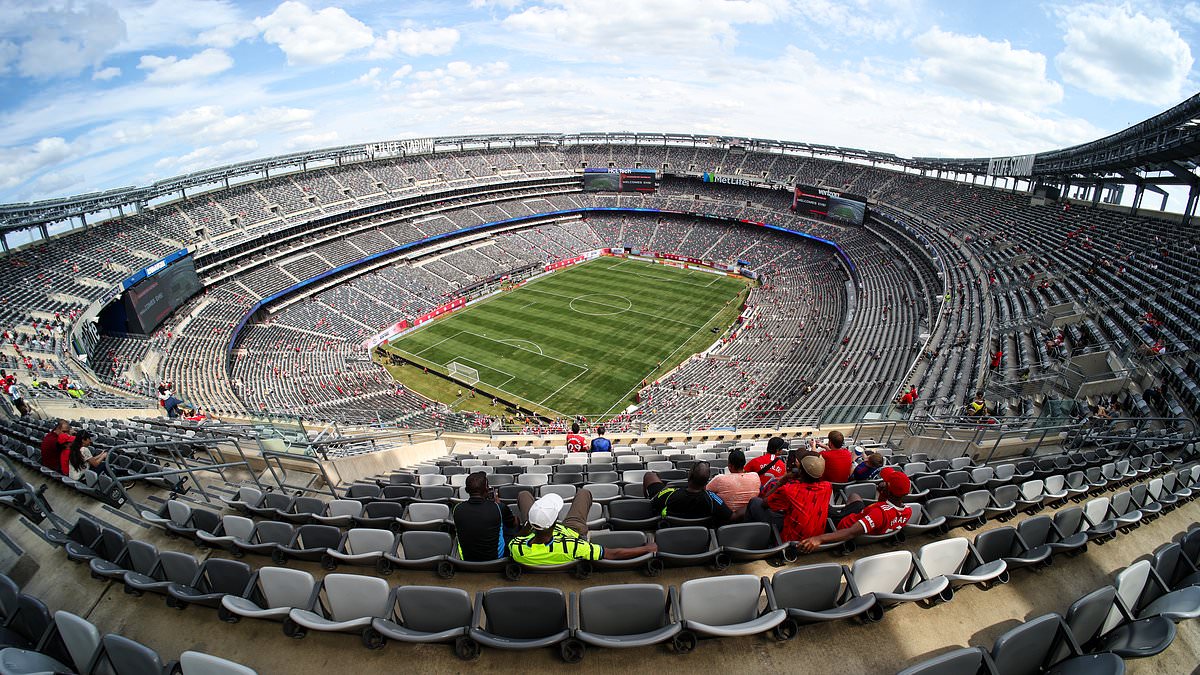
<point>906,635</point>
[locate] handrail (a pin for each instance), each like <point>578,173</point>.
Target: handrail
<point>274,461</point>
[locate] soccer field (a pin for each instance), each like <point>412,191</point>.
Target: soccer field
<point>580,341</point>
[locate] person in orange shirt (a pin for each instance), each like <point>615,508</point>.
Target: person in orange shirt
<point>736,487</point>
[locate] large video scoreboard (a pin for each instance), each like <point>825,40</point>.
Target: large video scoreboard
<point>620,180</point>
<point>829,204</point>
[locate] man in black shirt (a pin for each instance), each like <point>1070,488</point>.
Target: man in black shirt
<point>482,521</point>
<point>693,501</point>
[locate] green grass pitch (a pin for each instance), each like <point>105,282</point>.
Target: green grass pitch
<point>580,340</point>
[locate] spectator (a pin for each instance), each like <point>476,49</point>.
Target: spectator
<point>79,456</point>
<point>16,392</point>
<point>481,522</point>
<point>735,487</point>
<point>907,399</point>
<point>544,541</point>
<point>600,443</point>
<point>869,468</point>
<point>54,442</point>
<point>693,501</point>
<point>884,516</point>
<point>839,461</point>
<point>977,407</point>
<point>770,464</point>
<point>575,441</point>
<point>798,503</point>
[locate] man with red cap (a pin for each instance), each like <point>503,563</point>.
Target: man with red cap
<point>885,516</point>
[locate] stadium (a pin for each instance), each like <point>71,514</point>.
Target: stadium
<point>296,369</point>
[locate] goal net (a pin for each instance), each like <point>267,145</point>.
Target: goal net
<point>465,374</point>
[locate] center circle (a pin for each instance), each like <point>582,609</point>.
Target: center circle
<point>603,300</point>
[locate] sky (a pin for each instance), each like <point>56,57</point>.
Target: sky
<point>110,93</point>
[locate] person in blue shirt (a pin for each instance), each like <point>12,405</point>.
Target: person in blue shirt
<point>600,443</point>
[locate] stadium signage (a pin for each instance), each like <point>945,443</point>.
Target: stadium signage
<point>412,146</point>
<point>616,170</point>
<point>1020,165</point>
<point>728,180</point>
<point>153,269</point>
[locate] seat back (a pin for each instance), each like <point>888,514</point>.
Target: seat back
<point>943,557</point>
<point>419,545</point>
<point>995,544</point>
<point>692,540</point>
<point>720,601</point>
<point>418,512</point>
<point>178,512</point>
<point>80,638</point>
<point>1054,484</point>
<point>399,492</point>
<point>1087,614</point>
<point>1006,495</point>
<point>199,663</point>
<point>1130,584</point>
<point>344,507</point>
<point>308,505</point>
<point>269,531</point>
<point>276,500</point>
<point>746,536</point>
<point>1068,520</point>
<point>126,656</point>
<point>316,536</point>
<point>813,588</point>
<point>1027,647</point>
<point>180,568</point>
<point>218,575</point>
<point>31,619</point>
<point>982,474</point>
<point>567,492</point>
<point>353,596</point>
<point>361,540</point>
<point>1035,531</point>
<point>884,572</point>
<point>937,508</point>
<point>618,538</point>
<point>630,509</point>
<point>383,510</point>
<point>976,500</point>
<point>284,587</point>
<point>625,609</point>
<point>525,613</point>
<point>867,491</point>
<point>432,609</point>
<point>1032,489</point>
<point>604,490</point>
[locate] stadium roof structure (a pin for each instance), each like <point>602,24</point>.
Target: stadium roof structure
<point>1162,150</point>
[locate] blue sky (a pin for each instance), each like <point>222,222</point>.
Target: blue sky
<point>123,92</point>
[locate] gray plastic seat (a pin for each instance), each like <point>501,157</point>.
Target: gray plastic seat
<point>137,555</point>
<point>624,539</point>
<point>309,542</point>
<point>725,606</point>
<point>1005,543</point>
<point>272,593</point>
<point>1041,531</point>
<point>266,538</point>
<point>339,513</point>
<point>273,505</point>
<point>26,617</point>
<point>216,578</point>
<point>74,641</point>
<point>381,515</point>
<point>896,577</point>
<point>685,546</point>
<point>361,546</point>
<point>420,550</point>
<point>172,567</point>
<point>968,661</point>
<point>231,530</point>
<point>172,511</point>
<point>1173,567</point>
<point>126,657</point>
<point>341,603</point>
<point>632,514</point>
<point>1146,594</point>
<point>821,592</point>
<point>960,563</point>
<point>423,614</point>
<point>520,618</point>
<point>626,615</point>
<point>743,542</point>
<point>421,516</point>
<point>1127,638</point>
<point>604,493</point>
<point>245,497</point>
<point>303,509</point>
<point>1045,644</point>
<point>1004,503</point>
<point>199,663</point>
<point>1096,522</point>
<point>929,518</point>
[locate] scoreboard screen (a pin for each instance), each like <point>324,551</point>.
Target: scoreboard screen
<point>829,204</point>
<point>620,180</point>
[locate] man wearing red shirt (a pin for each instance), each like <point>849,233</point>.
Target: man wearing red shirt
<point>53,444</point>
<point>885,516</point>
<point>770,464</point>
<point>575,441</point>
<point>839,461</point>
<point>798,504</point>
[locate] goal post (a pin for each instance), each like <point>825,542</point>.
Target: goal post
<point>465,374</point>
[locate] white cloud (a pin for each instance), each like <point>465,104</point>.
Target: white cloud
<point>209,156</point>
<point>8,54</point>
<point>313,38</point>
<point>172,23</point>
<point>308,141</point>
<point>227,35</point>
<point>885,21</point>
<point>65,41</point>
<point>210,123</point>
<point>369,77</point>
<point>416,42</point>
<point>172,70</point>
<point>402,72</point>
<point>22,163</point>
<point>565,29</point>
<point>1118,54</point>
<point>991,70</point>
<point>106,73</point>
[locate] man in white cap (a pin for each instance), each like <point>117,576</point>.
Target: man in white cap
<point>544,541</point>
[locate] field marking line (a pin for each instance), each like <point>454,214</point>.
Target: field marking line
<point>524,349</point>
<point>528,342</point>
<point>634,311</point>
<point>637,386</point>
<point>437,343</point>
<point>564,386</point>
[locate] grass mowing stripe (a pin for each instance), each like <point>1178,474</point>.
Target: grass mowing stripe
<point>611,353</point>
